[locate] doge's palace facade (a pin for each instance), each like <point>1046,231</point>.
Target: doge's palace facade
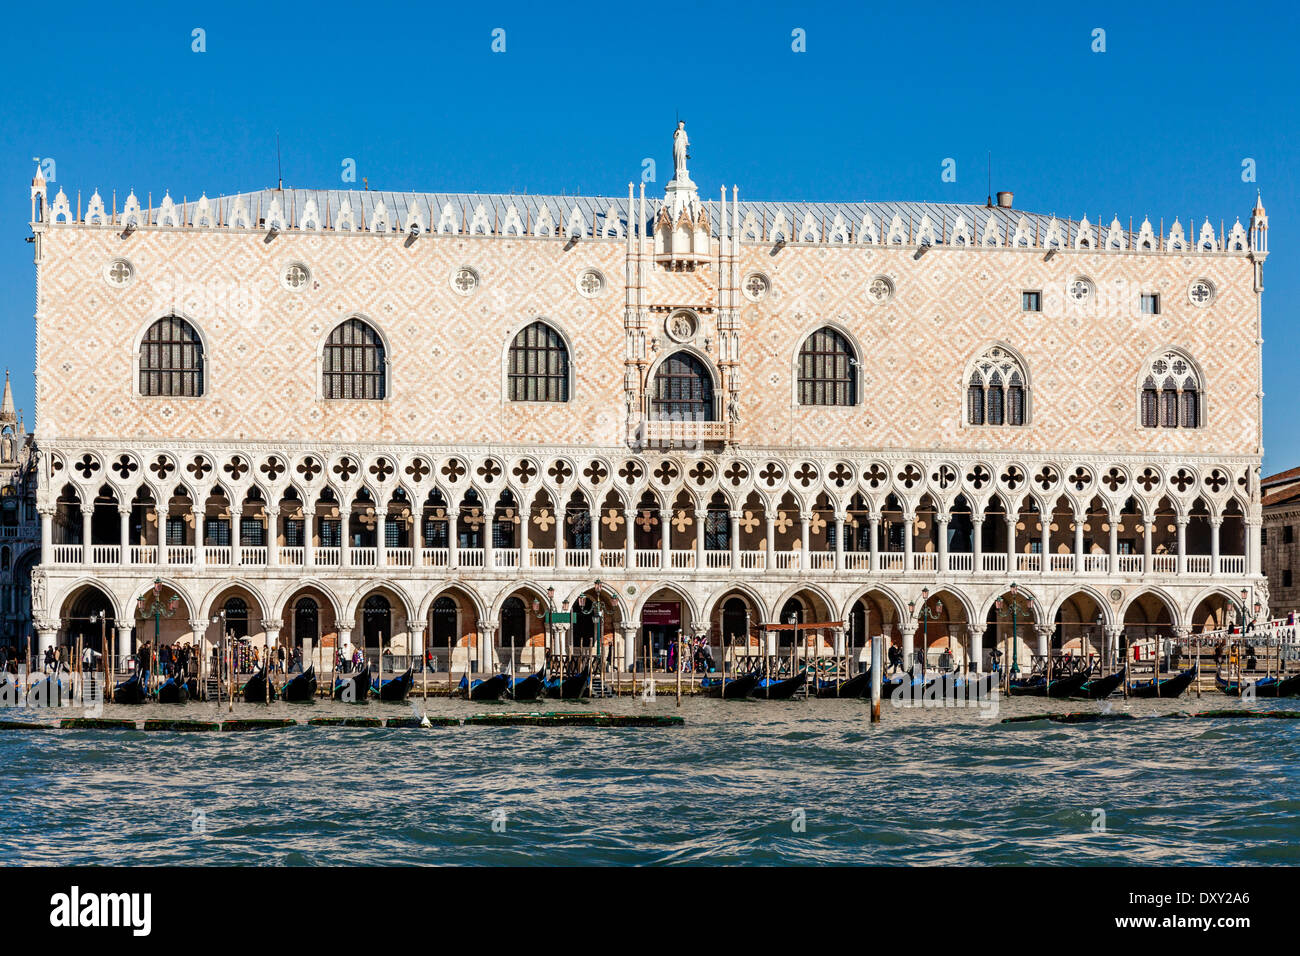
<point>322,416</point>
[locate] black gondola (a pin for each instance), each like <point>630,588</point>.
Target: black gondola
<point>782,688</point>
<point>1099,688</point>
<point>573,687</point>
<point>1169,687</point>
<point>301,688</point>
<point>353,688</point>
<point>858,685</point>
<point>395,689</point>
<point>526,688</point>
<point>1262,687</point>
<point>260,689</point>
<point>173,691</point>
<point>1037,686</point>
<point>737,688</point>
<point>133,690</point>
<point>485,689</point>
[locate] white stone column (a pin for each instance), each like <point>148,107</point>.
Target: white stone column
<point>86,514</point>
<point>47,536</point>
<point>272,537</point>
<point>805,559</point>
<point>381,536</point>
<point>1044,632</point>
<point>1114,546</point>
<point>236,536</point>
<point>837,639</point>
<point>874,521</point>
<point>1045,546</point>
<point>560,515</point>
<point>525,546</point>
<point>908,544</point>
<point>308,538</point>
<point>417,536</point>
<point>125,646</point>
<point>977,543</point>
<point>909,640</point>
<point>1011,543</point>
<point>629,538</point>
<point>1147,522</point>
<point>198,638</point>
<point>665,540</point>
<point>839,541</point>
<point>198,514</point>
<point>1215,523</point>
<point>1181,566</point>
<point>46,637</point>
<point>161,555</point>
<point>489,545</point>
<point>124,535</point>
<point>630,633</point>
<point>1252,546</point>
<point>941,521</point>
<point>593,519</point>
<point>735,541</point>
<point>1113,632</point>
<point>769,560</point>
<point>453,539</point>
<point>1078,544</point>
<point>975,647</point>
<point>699,539</point>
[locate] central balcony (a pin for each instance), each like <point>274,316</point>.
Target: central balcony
<point>650,561</point>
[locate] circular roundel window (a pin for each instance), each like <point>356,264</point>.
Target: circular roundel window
<point>880,290</point>
<point>591,283</point>
<point>296,277</point>
<point>1201,292</point>
<point>756,286</point>
<point>464,280</point>
<point>118,272</point>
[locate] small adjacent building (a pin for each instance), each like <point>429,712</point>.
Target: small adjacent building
<point>1280,537</point>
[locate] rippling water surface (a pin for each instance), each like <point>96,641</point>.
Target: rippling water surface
<point>924,786</point>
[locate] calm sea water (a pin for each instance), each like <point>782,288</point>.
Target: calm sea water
<point>747,782</point>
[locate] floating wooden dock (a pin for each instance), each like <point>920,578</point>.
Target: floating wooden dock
<point>571,719</point>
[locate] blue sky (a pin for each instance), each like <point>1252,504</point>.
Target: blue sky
<point>1157,125</point>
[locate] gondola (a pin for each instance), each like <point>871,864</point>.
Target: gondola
<point>50,691</point>
<point>781,688</point>
<point>572,687</point>
<point>490,688</point>
<point>354,687</point>
<point>737,688</point>
<point>133,690</point>
<point>859,685</point>
<point>954,684</point>
<point>1262,687</point>
<point>527,688</point>
<point>260,689</point>
<point>172,691</point>
<point>301,688</point>
<point>1099,688</point>
<point>395,689</point>
<point>1037,686</point>
<point>1169,687</point>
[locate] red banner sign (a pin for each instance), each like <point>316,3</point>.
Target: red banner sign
<point>661,614</point>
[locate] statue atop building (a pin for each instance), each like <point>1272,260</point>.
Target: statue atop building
<point>681,153</point>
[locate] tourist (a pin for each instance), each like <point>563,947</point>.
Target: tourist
<point>279,658</point>
<point>895,659</point>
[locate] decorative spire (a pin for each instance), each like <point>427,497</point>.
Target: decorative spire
<point>7,413</point>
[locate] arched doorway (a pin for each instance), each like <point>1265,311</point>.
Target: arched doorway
<point>682,390</point>
<point>377,622</point>
<point>88,619</point>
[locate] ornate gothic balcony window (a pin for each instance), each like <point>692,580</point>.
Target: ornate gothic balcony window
<point>1171,393</point>
<point>997,391</point>
<point>682,390</point>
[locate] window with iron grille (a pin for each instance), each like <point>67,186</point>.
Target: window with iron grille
<point>252,532</point>
<point>717,531</point>
<point>538,365</point>
<point>171,360</point>
<point>331,533</point>
<point>435,533</point>
<point>175,530</point>
<point>218,532</point>
<point>826,370</point>
<point>682,390</point>
<point>293,533</point>
<point>354,363</point>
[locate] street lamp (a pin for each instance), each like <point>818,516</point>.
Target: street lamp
<point>927,613</point>
<point>548,616</point>
<point>151,604</point>
<point>596,608</point>
<point>1011,607</point>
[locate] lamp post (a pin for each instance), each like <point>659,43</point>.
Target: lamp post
<point>1011,607</point>
<point>927,613</point>
<point>151,604</point>
<point>593,605</point>
<point>220,620</point>
<point>1101,644</point>
<point>548,616</point>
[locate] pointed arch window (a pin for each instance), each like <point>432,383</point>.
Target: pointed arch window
<point>682,390</point>
<point>538,365</point>
<point>171,360</point>
<point>355,366</point>
<point>827,370</point>
<point>1171,393</point>
<point>997,390</point>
